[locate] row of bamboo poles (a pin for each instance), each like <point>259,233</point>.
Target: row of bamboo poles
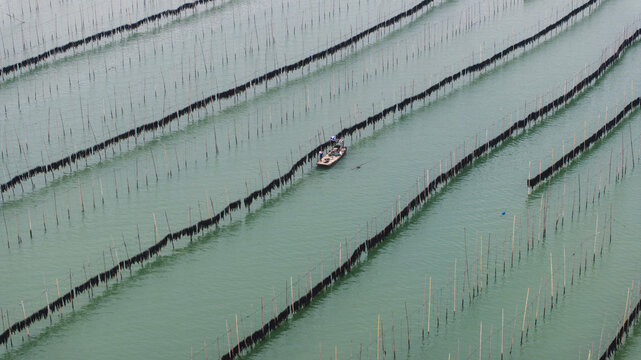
<point>282,180</point>
<point>585,145</point>
<point>477,279</point>
<point>66,140</point>
<point>35,60</point>
<point>481,271</point>
<point>231,93</point>
<point>148,161</point>
<point>474,280</point>
<point>630,316</point>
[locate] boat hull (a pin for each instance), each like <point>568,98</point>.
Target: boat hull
<point>331,158</point>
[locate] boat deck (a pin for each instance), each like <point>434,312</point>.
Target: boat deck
<point>332,157</point>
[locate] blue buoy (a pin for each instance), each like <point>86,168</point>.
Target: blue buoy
<point>503,213</point>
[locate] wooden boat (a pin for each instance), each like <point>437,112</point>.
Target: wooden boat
<point>335,154</point>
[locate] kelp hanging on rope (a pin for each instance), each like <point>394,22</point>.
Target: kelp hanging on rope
<point>582,147</point>
<point>419,200</point>
<point>623,330</point>
<point>32,61</point>
<point>81,154</point>
<point>280,181</point>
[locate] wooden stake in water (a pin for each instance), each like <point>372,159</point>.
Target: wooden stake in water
<point>30,229</point>
<point>6,229</point>
<point>429,307</point>
<point>513,229</point>
<point>454,295</point>
<point>102,195</point>
<point>393,336</point>
<point>551,283</point>
<point>481,341</point>
<point>237,336</point>
<point>502,325</point>
<point>155,227</point>
<point>564,272</point>
<point>82,204</point>
<point>596,232</point>
<point>527,296</point>
<point>58,288</point>
<point>423,317</point>
<point>71,290</point>
<point>24,313</point>
<point>378,338</point>
<point>407,319</point>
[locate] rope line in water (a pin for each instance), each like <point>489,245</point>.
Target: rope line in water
<point>34,60</point>
<point>623,330</point>
<point>81,154</point>
<point>414,203</point>
<point>585,145</point>
<point>280,181</point>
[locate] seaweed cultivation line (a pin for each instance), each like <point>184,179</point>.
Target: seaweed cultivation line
<point>174,12</point>
<point>477,67</point>
<point>281,180</point>
<point>106,275</point>
<point>67,146</point>
<point>585,145</point>
<point>81,154</point>
<point>274,184</point>
<point>34,60</point>
<point>533,316</point>
<point>623,330</point>
<point>398,220</point>
<point>403,214</point>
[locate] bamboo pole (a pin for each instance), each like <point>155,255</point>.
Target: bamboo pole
<point>513,231</point>
<point>30,229</point>
<point>454,295</point>
<point>429,307</point>
<point>408,327</point>
<point>155,228</point>
<point>237,336</point>
<point>393,336</point>
<point>516,312</point>
<point>596,232</point>
<point>527,296</point>
<point>564,271</point>
<point>551,283</point>
<point>71,290</point>
<point>82,204</point>
<point>24,313</point>
<point>378,333</point>
<point>481,341</point>
<point>502,326</point>
<point>423,317</point>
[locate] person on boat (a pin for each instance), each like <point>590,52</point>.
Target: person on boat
<point>333,139</point>
<point>320,154</point>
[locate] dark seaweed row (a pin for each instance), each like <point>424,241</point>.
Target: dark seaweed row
<point>584,145</point>
<point>618,339</point>
<point>81,154</point>
<point>174,12</point>
<point>278,182</point>
<point>32,61</point>
<point>372,242</point>
<point>105,276</point>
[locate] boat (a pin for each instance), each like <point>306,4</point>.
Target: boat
<point>336,153</point>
